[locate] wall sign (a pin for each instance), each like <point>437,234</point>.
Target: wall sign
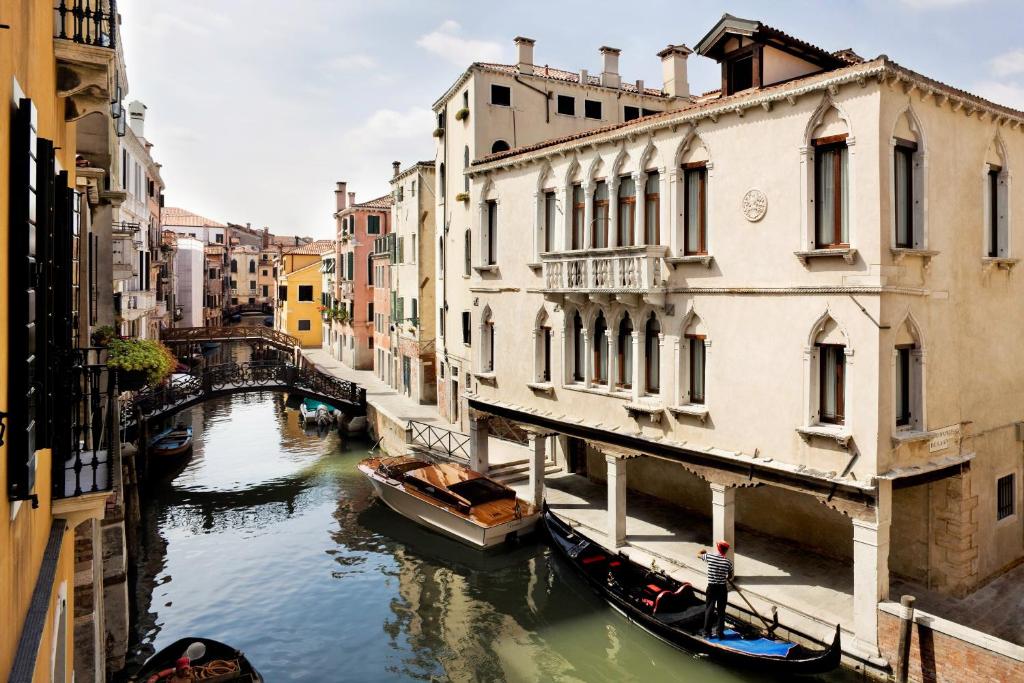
<point>755,205</point>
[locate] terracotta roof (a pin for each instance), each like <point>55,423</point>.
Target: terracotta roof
<point>312,249</point>
<point>378,203</point>
<point>710,101</point>
<point>181,217</point>
<point>566,76</point>
<point>288,240</point>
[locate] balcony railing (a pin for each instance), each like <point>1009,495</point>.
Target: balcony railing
<point>87,22</point>
<point>616,270</point>
<point>138,303</point>
<point>85,430</point>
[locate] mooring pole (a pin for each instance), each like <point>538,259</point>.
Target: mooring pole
<point>906,622</point>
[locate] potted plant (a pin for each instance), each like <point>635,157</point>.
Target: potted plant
<point>462,114</point>
<point>140,362</point>
<point>462,197</point>
<point>103,335</point>
<point>438,132</point>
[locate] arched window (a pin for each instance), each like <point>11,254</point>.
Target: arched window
<point>693,362</point>
<point>908,183</point>
<point>908,376</point>
<point>499,146</point>
<point>600,368</point>
<point>599,230</point>
<point>468,252</point>
<point>827,164</point>
<point>627,210</point>
<point>577,347</point>
<point>487,342</point>
<point>624,351</point>
<point>997,234</point>
<point>828,363</point>
<point>252,266</point>
<point>652,208</point>
<point>578,216</point>
<point>542,339</point>
<point>465,165</point>
<point>234,266</point>
<point>652,355</point>
<point>692,195</point>
<point>441,180</point>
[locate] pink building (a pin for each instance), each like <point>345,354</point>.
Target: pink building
<point>358,225</point>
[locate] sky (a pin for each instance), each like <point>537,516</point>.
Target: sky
<point>256,108</point>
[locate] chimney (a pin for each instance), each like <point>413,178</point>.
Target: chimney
<point>339,196</point>
<point>396,168</point>
<point>524,50</point>
<point>610,67</point>
<point>673,70</point>
<point>137,118</point>
<point>351,198</point>
<point>584,77</point>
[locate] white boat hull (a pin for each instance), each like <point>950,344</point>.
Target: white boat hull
<point>445,522</point>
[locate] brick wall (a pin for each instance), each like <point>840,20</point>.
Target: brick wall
<point>940,658</point>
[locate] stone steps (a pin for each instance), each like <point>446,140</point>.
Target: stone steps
<point>516,471</point>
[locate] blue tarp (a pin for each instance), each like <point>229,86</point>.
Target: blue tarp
<point>756,646</point>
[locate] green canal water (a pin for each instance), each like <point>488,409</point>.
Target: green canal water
<point>269,539</point>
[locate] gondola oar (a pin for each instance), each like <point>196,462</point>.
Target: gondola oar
<point>771,627</point>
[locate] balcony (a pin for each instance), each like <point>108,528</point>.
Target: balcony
<point>83,431</point>
<point>137,304</point>
<point>627,274</point>
<point>85,33</point>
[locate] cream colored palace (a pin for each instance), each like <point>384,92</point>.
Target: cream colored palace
<point>791,304</point>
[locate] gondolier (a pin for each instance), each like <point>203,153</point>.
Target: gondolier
<point>720,571</point>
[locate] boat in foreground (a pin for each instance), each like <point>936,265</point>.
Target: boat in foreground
<point>172,443</point>
<point>207,660</point>
<point>674,610</point>
<point>451,499</point>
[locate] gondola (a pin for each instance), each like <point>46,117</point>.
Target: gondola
<point>674,611</point>
<point>208,660</point>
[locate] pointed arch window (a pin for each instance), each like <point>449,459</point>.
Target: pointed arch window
<point>234,266</point>
<point>578,216</point>
<point>627,210</point>
<point>831,192</point>
<point>550,215</point>
<point>468,266</point>
<point>652,355</point>
<point>831,383</point>
<point>624,352</point>
<point>695,221</point>
<point>542,334</point>
<point>905,195</point>
<point>487,342</point>
<point>600,346</point>
<point>652,208</point>
<point>465,166</point>
<point>577,347</point>
<point>599,229</point>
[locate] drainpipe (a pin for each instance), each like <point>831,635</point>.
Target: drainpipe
<point>545,93</point>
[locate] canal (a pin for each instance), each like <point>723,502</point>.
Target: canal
<point>269,539</point>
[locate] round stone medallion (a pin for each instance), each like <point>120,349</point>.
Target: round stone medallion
<point>755,205</point>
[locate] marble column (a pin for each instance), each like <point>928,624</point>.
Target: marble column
<point>538,444</point>
<point>616,500</point>
<point>478,435</point>
<point>871,569</point>
<point>723,515</point>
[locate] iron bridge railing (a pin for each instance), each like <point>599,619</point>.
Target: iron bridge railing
<point>250,376</point>
<point>179,335</point>
<point>438,439</point>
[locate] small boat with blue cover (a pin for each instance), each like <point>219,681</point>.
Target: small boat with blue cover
<point>674,610</point>
<point>171,443</point>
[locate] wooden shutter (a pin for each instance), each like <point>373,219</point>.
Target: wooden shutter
<point>22,395</point>
<point>46,352</point>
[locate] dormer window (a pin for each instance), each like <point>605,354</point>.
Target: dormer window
<point>740,73</point>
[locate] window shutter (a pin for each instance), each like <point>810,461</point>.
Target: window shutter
<point>401,250</point>
<point>401,309</point>
<point>415,313</point>
<point>45,352</point>
<point>21,377</point>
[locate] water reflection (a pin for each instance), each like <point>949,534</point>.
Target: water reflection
<point>269,539</point>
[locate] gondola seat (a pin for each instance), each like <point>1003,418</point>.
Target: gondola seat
<point>682,618</point>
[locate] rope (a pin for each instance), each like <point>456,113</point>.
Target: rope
<point>217,667</point>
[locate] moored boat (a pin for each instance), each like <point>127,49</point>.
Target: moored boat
<point>673,610</point>
<point>451,499</point>
<point>316,412</point>
<point>200,659</point>
<point>171,443</point>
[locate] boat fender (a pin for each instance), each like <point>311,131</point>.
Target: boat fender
<point>182,668</point>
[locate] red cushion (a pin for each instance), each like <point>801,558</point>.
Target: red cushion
<point>614,563</point>
<point>654,588</point>
<point>593,558</point>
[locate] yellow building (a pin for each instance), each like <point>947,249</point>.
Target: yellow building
<point>299,292</point>
<point>38,176</point>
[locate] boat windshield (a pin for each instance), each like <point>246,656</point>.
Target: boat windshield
<point>481,490</point>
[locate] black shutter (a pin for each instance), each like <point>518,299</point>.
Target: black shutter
<point>45,351</point>
<point>22,396</point>
<point>63,263</point>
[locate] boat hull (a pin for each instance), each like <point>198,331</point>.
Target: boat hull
<point>445,522</point>
<point>215,650</point>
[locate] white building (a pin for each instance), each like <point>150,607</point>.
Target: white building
<point>190,269</point>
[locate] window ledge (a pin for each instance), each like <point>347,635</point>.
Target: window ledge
<point>697,410</point>
<point>848,254</point>
<point>703,259</point>
<point>837,432</point>
<point>488,377</point>
<point>600,392</point>
<point>651,410</point>
<point>910,436</point>
<point>535,266</point>
<point>999,262</point>
<point>900,253</point>
<point>486,269</point>
<point>542,387</point>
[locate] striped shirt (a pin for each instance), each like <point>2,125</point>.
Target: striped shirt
<point>719,568</point>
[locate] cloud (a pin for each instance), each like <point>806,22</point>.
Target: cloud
<point>1009,63</point>
<point>445,42</point>
<point>354,62</point>
<point>390,125</point>
<point>935,4</point>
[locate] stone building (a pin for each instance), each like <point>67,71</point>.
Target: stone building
<point>495,107</point>
<point>413,272</point>
<point>385,308</point>
<point>357,225</point>
<point>793,294</point>
<point>299,292</point>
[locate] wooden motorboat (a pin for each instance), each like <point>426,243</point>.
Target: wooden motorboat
<point>208,660</point>
<point>171,443</point>
<point>451,499</point>
<point>316,412</point>
<point>674,611</point>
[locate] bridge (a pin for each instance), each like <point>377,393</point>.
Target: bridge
<point>254,334</point>
<point>232,378</point>
<point>248,308</point>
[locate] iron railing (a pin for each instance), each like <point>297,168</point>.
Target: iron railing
<point>232,377</point>
<point>85,431</point>
<point>435,439</point>
<point>198,335</point>
<point>87,22</point>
